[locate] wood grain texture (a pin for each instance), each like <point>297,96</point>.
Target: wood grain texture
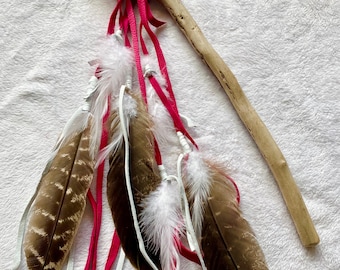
<point>257,129</point>
<point>144,179</point>
<point>59,205</point>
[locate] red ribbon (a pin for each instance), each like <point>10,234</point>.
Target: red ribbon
<point>97,206</point>
<point>115,244</point>
<point>128,25</point>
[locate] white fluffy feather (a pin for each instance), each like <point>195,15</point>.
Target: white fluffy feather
<point>115,67</point>
<point>161,221</point>
<point>198,180</point>
<point>163,128</point>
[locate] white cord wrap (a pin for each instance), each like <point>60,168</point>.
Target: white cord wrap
<point>128,180</point>
<point>186,213</point>
<point>91,88</point>
<point>121,259</point>
<point>184,143</point>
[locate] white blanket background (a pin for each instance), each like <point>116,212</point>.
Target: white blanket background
<point>285,55</point>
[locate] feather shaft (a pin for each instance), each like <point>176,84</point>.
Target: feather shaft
<point>228,241</point>
<point>59,204</point>
<point>128,180</point>
<point>144,179</point>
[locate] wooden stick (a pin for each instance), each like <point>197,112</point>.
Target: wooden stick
<point>266,144</point>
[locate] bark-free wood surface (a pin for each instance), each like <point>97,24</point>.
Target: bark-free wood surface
<point>266,144</point>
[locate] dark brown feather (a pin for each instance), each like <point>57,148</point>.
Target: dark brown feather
<point>228,242</point>
<point>144,179</point>
<point>59,205</point>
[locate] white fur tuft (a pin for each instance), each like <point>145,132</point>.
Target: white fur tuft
<point>115,67</point>
<point>198,180</point>
<point>115,62</point>
<point>163,127</point>
<point>161,222</point>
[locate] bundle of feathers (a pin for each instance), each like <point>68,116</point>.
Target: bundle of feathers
<point>163,221</point>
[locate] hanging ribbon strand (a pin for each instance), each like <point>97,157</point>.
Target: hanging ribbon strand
<point>161,221</point>
<point>198,174</point>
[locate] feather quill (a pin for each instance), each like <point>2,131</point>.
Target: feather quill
<point>60,203</point>
<point>78,122</point>
<point>227,241</point>
<point>144,179</point>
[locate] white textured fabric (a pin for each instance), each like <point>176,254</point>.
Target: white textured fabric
<point>285,55</point>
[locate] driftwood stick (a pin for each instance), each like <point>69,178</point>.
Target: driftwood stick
<point>266,144</point>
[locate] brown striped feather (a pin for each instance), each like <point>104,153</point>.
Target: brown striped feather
<point>59,205</point>
<point>144,179</point>
<point>227,241</point>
